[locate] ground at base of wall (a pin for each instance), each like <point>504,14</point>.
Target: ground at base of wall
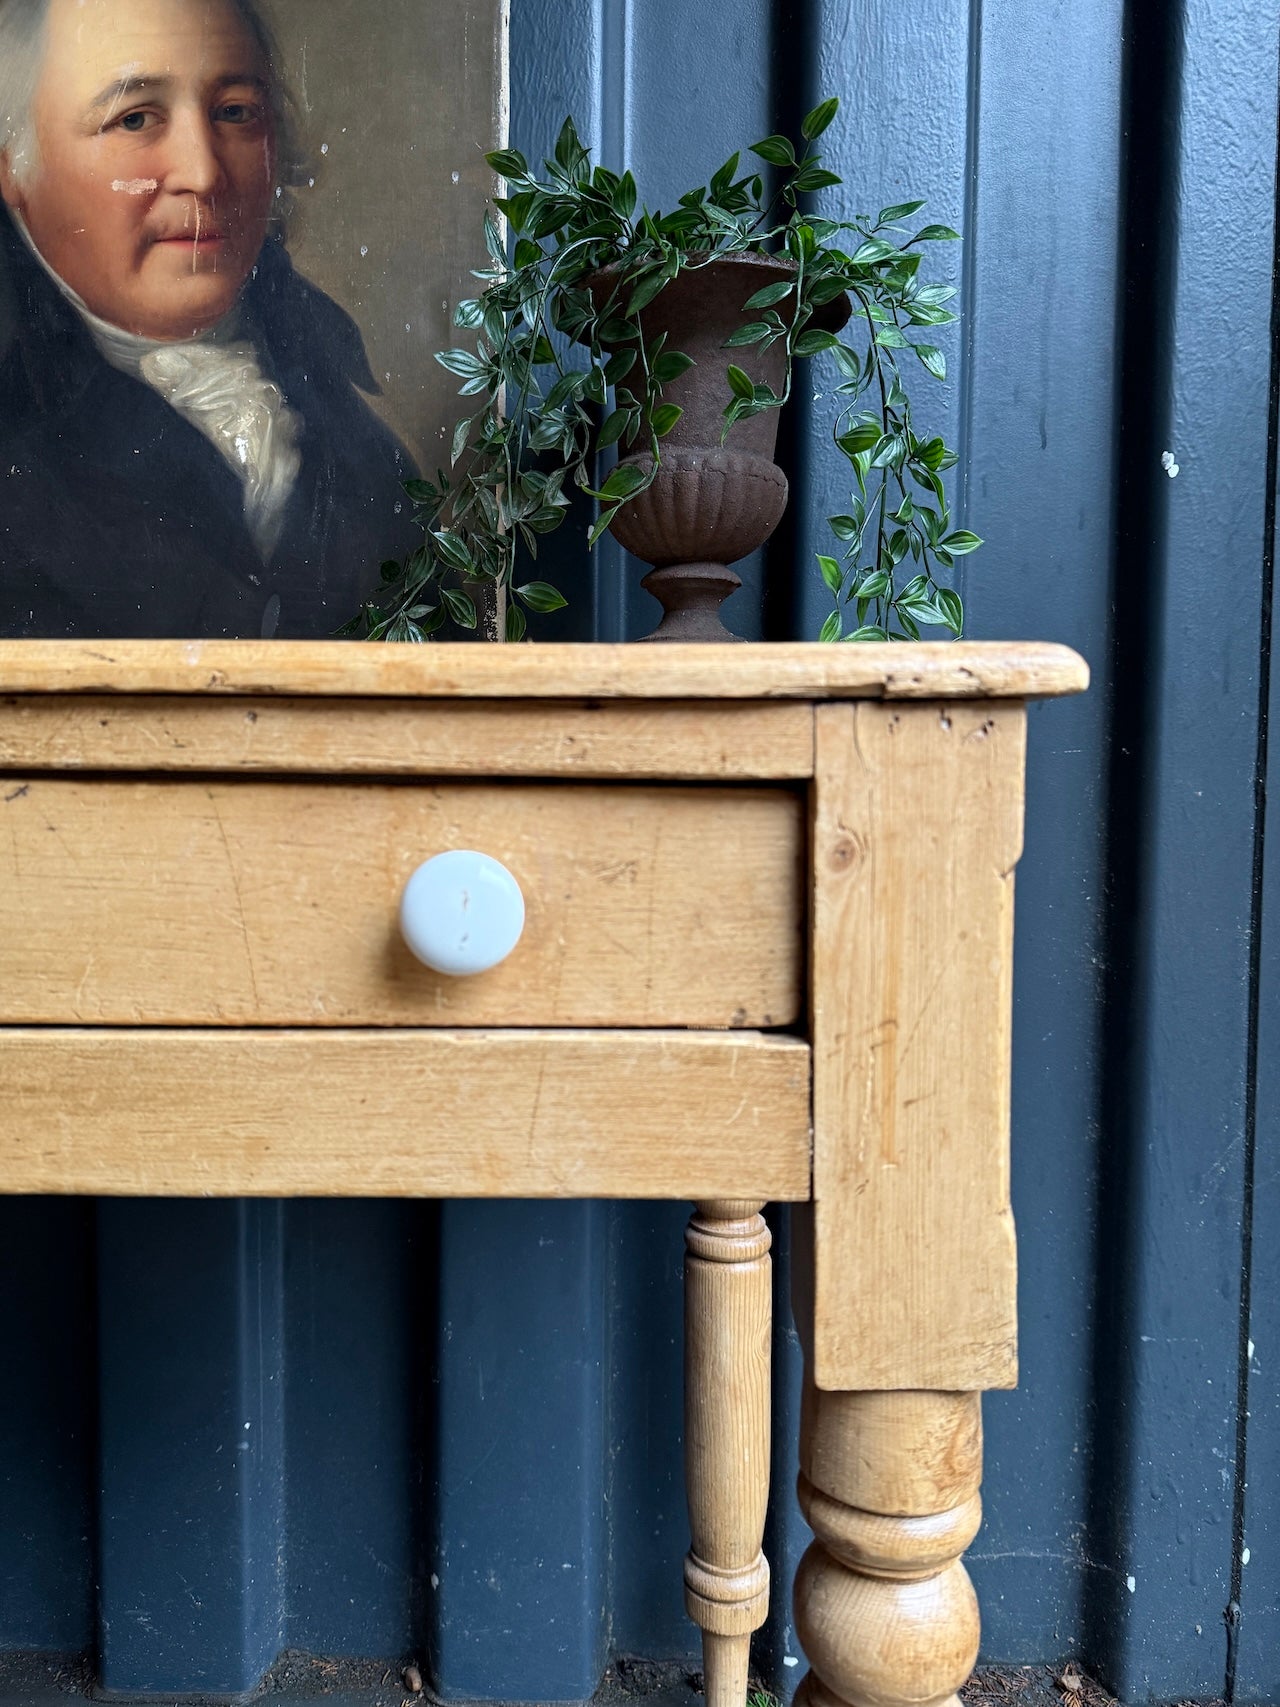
<point>44,1680</point>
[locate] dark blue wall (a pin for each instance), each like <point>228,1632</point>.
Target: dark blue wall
<point>383,1429</point>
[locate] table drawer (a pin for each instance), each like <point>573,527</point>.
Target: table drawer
<point>242,902</point>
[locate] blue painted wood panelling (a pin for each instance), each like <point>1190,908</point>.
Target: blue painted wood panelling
<point>1184,802</point>
<point>191,1445</point>
<point>48,1433</point>
<point>359,1325</point>
<point>1257,1574</point>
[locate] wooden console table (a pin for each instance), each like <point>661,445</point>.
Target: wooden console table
<point>767,956</point>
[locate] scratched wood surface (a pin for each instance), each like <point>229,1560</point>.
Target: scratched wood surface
<point>917,830</point>
<point>742,740</point>
<point>254,902</point>
<point>178,1113</point>
<point>794,670</point>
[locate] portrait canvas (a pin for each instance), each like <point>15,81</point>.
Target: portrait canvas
<point>232,235</point>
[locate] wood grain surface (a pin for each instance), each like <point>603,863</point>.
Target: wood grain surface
<point>728,1319</point>
<point>885,1611</point>
<point>252,902</point>
<point>917,831</point>
<point>742,740</point>
<point>793,670</point>
<point>181,1113</point>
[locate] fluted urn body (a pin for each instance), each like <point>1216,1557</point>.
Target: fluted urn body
<point>711,503</point>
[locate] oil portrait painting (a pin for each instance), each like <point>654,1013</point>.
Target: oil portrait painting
<point>232,234</point>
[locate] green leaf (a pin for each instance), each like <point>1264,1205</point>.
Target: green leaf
<point>933,359</point>
<point>875,586</point>
<point>602,523</point>
<point>874,249</point>
<point>453,550</point>
<point>890,451</point>
<point>740,384</point>
<point>507,163</point>
<point>819,290</point>
<point>751,333</point>
<point>770,294</point>
<point>541,596</point>
<point>934,295</point>
<point>899,210</point>
<point>844,527</point>
<point>777,150</point>
<point>470,312</point>
<point>936,234</point>
<point>459,444</point>
<point>889,338</point>
<point>868,633</point>
<point>961,542</point>
<point>952,610</point>
<point>465,363</point>
<point>624,197</point>
<point>831,573</point>
<point>664,417</point>
<point>421,491</point>
<point>809,343</point>
<point>527,253</point>
<point>430,624</point>
<point>830,629</point>
<point>613,428</point>
<point>515,623</point>
<point>847,361</point>
<point>814,178</point>
<point>816,121</point>
<point>461,608</point>
<point>568,147</point>
<point>619,365</point>
<point>493,240</point>
<point>670,365</point>
<point>625,480</point>
<point>646,290</point>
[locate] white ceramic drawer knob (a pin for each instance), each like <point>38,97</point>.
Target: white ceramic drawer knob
<point>461,912</point>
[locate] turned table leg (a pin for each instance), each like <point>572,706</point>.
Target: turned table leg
<point>728,1311</point>
<point>885,1610</point>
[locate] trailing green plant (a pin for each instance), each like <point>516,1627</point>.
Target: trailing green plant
<point>562,370</point>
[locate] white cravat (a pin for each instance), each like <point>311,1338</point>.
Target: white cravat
<point>215,381</point>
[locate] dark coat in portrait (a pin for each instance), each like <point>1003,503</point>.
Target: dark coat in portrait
<point>118,518</point>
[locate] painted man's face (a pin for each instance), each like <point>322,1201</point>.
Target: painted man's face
<point>154,168</point>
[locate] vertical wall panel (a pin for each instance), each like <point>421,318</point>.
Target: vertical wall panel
<point>47,1424</point>
<point>1187,661</point>
<point>1257,1657</point>
<point>1257,1672</point>
<point>359,1287</point>
<point>191,1445</point>
<point>519,1575</point>
<point>1037,459</point>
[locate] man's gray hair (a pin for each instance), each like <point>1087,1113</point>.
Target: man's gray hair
<point>22,25</point>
